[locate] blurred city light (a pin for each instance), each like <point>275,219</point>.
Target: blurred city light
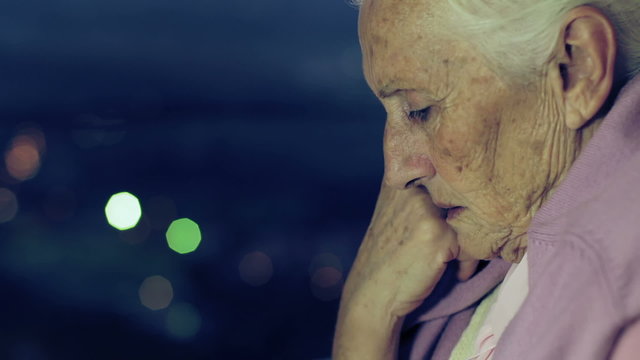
<point>138,234</point>
<point>35,133</point>
<point>324,260</point>
<point>8,205</point>
<point>183,236</point>
<point>183,321</point>
<point>123,211</point>
<point>326,283</point>
<point>23,157</point>
<point>156,292</point>
<point>326,276</point>
<point>256,268</point>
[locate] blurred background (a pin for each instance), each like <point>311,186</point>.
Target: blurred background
<point>180,179</point>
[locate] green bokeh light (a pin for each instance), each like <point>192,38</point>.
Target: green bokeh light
<point>183,236</point>
<point>183,321</point>
<point>123,211</point>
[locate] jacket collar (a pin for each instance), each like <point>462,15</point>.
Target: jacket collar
<point>451,296</point>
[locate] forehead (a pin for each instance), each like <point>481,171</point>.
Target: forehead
<point>385,23</point>
<point>399,39</point>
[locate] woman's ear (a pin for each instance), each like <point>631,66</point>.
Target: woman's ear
<point>585,57</point>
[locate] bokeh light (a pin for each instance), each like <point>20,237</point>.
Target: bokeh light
<point>23,158</point>
<point>326,276</point>
<point>138,234</point>
<point>183,236</point>
<point>123,211</point>
<point>324,260</point>
<point>183,321</point>
<point>34,132</point>
<point>256,268</point>
<point>8,205</point>
<point>156,292</point>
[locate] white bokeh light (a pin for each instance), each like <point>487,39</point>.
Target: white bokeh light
<point>123,211</point>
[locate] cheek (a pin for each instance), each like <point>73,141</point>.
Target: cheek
<point>465,142</point>
<point>451,142</point>
<point>451,154</point>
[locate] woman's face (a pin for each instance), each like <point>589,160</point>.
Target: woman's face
<point>476,143</point>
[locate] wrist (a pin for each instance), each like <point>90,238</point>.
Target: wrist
<point>365,331</point>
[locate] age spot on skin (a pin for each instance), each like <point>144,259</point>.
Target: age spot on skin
<point>537,146</point>
<point>379,41</point>
<point>481,80</point>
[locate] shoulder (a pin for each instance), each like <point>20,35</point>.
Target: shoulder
<point>606,228</point>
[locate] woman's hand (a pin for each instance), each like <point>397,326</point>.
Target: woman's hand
<point>401,259</point>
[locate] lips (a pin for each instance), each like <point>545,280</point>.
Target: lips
<point>449,211</point>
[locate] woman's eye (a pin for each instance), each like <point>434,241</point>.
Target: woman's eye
<point>420,115</point>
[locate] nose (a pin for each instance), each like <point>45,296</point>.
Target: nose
<point>405,156</point>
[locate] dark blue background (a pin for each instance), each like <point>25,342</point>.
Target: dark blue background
<point>251,116</point>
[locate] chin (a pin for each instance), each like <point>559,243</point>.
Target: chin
<point>480,244</point>
<point>473,248</point>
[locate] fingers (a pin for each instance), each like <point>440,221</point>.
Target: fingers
<point>466,269</point>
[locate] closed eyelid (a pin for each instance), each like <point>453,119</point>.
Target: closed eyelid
<point>419,99</point>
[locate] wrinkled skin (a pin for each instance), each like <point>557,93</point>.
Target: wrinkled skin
<point>494,149</point>
<point>402,257</point>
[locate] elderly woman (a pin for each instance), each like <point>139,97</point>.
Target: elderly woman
<point>508,223</point>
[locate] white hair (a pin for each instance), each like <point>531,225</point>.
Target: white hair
<point>518,36</point>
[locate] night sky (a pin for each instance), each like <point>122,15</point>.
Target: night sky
<point>250,118</point>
